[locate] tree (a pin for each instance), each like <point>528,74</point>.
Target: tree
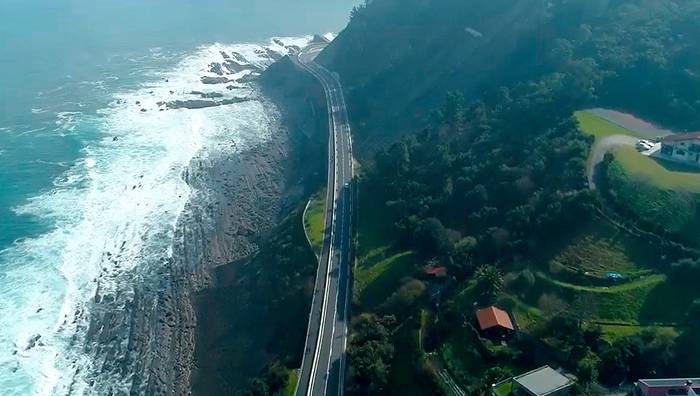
<point>693,314</point>
<point>431,238</point>
<point>257,387</point>
<point>369,355</point>
<point>402,301</point>
<point>587,368</point>
<point>489,282</point>
<point>463,256</point>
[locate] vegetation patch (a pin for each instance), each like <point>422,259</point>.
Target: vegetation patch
<point>315,219</point>
<point>403,378</point>
<point>291,384</point>
<point>620,303</point>
<point>380,266</point>
<point>673,210</point>
<point>598,127</point>
<point>611,332</point>
<point>599,248</point>
<point>663,175</point>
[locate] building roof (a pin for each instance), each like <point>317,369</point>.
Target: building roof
<point>543,381</point>
<point>668,382</point>
<point>435,270</point>
<point>493,317</point>
<point>682,136</point>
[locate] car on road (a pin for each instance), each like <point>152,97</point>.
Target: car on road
<point>346,185</point>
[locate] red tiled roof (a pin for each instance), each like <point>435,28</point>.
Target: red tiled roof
<point>681,136</point>
<point>492,317</point>
<point>435,271</point>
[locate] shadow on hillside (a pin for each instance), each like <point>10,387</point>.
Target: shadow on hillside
<point>675,166</point>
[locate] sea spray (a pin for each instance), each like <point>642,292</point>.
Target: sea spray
<point>112,217</point>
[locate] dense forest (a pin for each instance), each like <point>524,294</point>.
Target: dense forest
<point>482,165</point>
<point>398,58</point>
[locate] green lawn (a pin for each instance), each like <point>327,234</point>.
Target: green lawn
<point>633,302</point>
<point>660,174</point>
<point>656,195</point>
<point>614,331</point>
<point>314,220</point>
<point>291,384</point>
<point>504,388</point>
<point>593,125</point>
<point>644,282</point>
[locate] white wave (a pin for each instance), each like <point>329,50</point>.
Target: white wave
<point>112,213</point>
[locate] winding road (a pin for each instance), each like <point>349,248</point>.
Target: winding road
<point>323,366</point>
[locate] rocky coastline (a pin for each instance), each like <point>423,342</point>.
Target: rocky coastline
<point>148,339</point>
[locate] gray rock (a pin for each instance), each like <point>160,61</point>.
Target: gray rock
<point>240,58</point>
<point>208,95</point>
<point>214,80</point>
<point>200,104</point>
<point>31,343</point>
<point>216,68</point>
<point>248,78</point>
<point>234,67</point>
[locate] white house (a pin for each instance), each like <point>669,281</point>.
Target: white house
<point>682,148</point>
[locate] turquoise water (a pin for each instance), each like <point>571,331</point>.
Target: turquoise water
<point>85,171</point>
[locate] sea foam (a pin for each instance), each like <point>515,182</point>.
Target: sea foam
<point>113,213</point>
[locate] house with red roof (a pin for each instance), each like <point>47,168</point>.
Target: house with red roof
<point>494,322</point>
<point>682,148</point>
<point>435,271</point>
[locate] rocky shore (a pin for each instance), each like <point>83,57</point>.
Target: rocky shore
<point>246,318</point>
<point>146,338</point>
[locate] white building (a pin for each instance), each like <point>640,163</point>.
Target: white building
<point>682,148</point>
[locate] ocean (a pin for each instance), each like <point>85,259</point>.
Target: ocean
<point>95,139</point>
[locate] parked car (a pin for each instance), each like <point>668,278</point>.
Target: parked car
<point>644,145</point>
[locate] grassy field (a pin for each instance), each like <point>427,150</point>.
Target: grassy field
<point>648,300</point>
<point>593,125</point>
<point>291,384</point>
<point>314,220</point>
<point>660,174</point>
<point>614,331</point>
<point>599,248</point>
<point>657,201</point>
<point>504,388</point>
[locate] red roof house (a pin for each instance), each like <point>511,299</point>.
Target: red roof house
<point>436,271</point>
<point>493,318</point>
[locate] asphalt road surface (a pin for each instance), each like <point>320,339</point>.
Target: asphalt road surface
<point>323,366</point>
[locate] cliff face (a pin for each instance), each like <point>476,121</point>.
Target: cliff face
<point>423,49</point>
